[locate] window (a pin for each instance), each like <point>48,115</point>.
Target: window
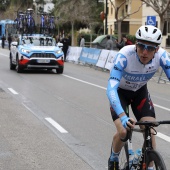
<point>124,27</point>
<point>126,9</point>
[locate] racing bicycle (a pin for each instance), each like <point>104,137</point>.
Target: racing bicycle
<point>148,156</point>
<point>19,22</point>
<point>30,21</point>
<point>51,25</point>
<point>43,24</point>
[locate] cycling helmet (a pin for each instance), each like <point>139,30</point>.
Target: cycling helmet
<point>149,33</point>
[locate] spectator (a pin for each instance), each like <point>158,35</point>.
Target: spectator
<point>121,44</point>
<point>9,41</point>
<point>109,43</point>
<point>127,42</point>
<point>3,41</point>
<point>65,42</point>
<point>124,41</point>
<point>82,41</point>
<point>69,40</point>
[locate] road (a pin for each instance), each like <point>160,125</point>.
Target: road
<point>62,122</point>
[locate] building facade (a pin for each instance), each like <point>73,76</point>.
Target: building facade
<point>129,24</point>
<point>134,21</point>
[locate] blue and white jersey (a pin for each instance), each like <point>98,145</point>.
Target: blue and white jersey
<point>130,74</point>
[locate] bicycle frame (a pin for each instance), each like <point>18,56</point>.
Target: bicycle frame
<point>147,145</point>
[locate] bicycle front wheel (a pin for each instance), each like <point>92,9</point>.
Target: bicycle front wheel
<point>155,159</point>
<point>124,158</point>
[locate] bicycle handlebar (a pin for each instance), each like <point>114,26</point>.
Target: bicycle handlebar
<point>147,124</point>
<point>153,123</point>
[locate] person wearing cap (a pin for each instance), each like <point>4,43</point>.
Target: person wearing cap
<point>133,67</point>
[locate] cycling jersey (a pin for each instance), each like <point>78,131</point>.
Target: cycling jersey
<point>129,73</point>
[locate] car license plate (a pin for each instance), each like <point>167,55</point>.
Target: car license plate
<point>43,61</point>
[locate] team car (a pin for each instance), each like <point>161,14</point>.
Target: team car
<point>36,52</point>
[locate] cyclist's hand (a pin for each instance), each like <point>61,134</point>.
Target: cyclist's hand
<point>126,121</point>
<point>131,123</point>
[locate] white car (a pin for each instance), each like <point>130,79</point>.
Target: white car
<point>36,52</point>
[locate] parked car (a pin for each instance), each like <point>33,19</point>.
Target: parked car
<point>100,42</point>
<point>36,52</point>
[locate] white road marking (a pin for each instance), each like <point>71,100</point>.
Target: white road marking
<point>12,90</point>
<point>162,107</point>
<point>56,125</point>
<point>162,136</point>
<point>84,82</point>
<point>4,55</point>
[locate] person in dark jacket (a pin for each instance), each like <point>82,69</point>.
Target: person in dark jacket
<point>109,43</point>
<point>3,41</point>
<point>69,39</point>
<point>124,41</point>
<point>65,42</point>
<point>9,41</point>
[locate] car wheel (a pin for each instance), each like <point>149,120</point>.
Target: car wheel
<point>18,67</point>
<point>59,70</point>
<point>12,66</point>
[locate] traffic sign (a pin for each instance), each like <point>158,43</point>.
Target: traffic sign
<point>151,20</point>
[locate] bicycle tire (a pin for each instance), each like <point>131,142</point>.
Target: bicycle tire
<point>124,158</point>
<point>157,160</point>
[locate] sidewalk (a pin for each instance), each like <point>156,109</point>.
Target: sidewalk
<point>27,144</point>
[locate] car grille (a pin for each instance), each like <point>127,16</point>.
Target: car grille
<point>42,55</point>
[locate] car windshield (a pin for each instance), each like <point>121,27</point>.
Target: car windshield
<point>38,41</point>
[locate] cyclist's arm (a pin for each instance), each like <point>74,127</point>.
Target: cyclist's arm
<point>165,64</point>
<point>113,83</point>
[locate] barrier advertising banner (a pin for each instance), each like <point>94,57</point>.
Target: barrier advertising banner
<point>73,53</point>
<point>109,62</point>
<point>89,55</point>
<point>102,58</point>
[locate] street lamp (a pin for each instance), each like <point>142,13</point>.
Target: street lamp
<point>106,30</point>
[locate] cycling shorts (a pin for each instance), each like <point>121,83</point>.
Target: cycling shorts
<point>139,100</point>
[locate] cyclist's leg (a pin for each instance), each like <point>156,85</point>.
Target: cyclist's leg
<point>117,144</point>
<point>143,109</point>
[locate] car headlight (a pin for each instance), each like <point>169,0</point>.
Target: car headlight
<point>58,51</point>
<point>25,51</point>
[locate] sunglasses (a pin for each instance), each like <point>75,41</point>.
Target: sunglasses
<point>149,48</point>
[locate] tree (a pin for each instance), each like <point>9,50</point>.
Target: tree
<point>160,7</point>
<point>119,18</point>
<point>21,5</point>
<point>11,6</point>
<point>72,11</point>
<point>4,4</point>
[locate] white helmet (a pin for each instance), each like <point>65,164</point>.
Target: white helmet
<point>149,33</point>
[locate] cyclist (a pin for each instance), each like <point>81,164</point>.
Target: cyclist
<point>133,66</point>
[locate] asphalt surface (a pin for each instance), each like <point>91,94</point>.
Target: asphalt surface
<point>27,144</point>
<point>77,101</point>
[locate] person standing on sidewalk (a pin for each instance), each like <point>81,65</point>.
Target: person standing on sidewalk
<point>65,42</point>
<point>3,41</point>
<point>82,41</point>
<point>109,43</point>
<point>9,41</point>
